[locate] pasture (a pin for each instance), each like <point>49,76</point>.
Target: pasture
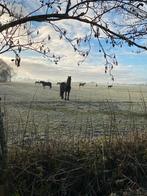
<point>89,145</point>
<point>34,112</point>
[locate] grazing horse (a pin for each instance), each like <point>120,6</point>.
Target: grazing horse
<point>65,88</point>
<point>46,84</point>
<point>110,86</point>
<point>82,84</point>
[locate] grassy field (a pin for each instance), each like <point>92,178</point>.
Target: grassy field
<point>55,146</point>
<point>33,111</point>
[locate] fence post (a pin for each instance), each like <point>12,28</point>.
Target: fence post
<point>3,155</point>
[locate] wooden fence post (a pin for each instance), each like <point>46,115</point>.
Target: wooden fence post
<point>3,155</point>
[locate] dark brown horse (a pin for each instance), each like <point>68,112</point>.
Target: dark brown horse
<point>65,88</point>
<point>44,84</point>
<point>110,86</point>
<point>82,84</point>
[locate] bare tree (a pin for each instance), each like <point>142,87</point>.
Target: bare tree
<point>112,23</point>
<point>6,72</point>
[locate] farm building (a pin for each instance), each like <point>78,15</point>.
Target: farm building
<point>5,72</point>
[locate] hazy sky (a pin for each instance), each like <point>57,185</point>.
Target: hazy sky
<point>131,67</point>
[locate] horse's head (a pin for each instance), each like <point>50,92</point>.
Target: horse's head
<point>69,80</point>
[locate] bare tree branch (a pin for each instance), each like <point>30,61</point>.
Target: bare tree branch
<point>128,27</point>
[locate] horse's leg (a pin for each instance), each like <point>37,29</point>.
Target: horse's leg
<point>68,95</point>
<point>62,95</point>
<point>65,95</point>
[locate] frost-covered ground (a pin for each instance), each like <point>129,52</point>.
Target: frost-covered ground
<point>91,111</point>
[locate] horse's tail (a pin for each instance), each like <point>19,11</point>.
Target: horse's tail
<point>61,90</point>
